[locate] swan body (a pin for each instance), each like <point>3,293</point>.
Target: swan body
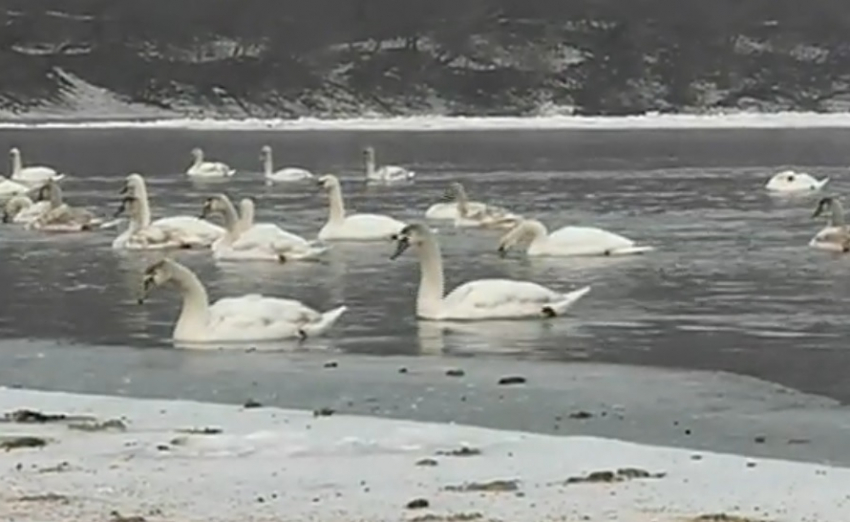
<point>791,181</point>
<point>34,175</point>
<point>451,211</point>
<point>9,188</point>
<point>568,241</point>
<point>247,318</point>
<point>167,232</point>
<point>246,240</point>
<point>355,227</point>
<point>835,236</point>
<point>385,173</point>
<point>22,210</point>
<point>487,217</point>
<point>476,300</point>
<point>207,169</point>
<point>61,217</point>
<point>284,175</point>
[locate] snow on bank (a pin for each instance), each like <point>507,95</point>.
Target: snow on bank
<point>167,461</point>
<point>442,123</point>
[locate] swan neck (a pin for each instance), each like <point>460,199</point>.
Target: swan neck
<point>336,206</point>
<point>231,218</point>
<point>370,164</point>
<point>246,218</point>
<point>140,192</point>
<point>193,315</point>
<point>55,196</point>
<point>837,216</point>
<point>16,164</point>
<point>431,281</point>
<point>460,196</point>
<point>538,233</point>
<point>267,163</point>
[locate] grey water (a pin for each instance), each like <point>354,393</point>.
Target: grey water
<point>732,287</point>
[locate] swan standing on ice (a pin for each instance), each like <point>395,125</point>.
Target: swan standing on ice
<point>476,300</point>
<point>246,240</point>
<point>356,227</point>
<point>207,169</point>
<point>189,229</point>
<point>62,217</point>
<point>35,175</point>
<point>568,241</point>
<point>386,172</point>
<point>790,181</point>
<point>835,236</point>
<point>21,209</point>
<point>456,194</point>
<point>283,175</point>
<point>247,318</point>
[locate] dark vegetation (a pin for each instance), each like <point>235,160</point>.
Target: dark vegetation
<point>345,57</point>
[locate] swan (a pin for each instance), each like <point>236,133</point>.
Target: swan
<point>790,181</point>
<point>21,209</point>
<point>190,229</point>
<point>139,236</point>
<point>35,175</point>
<point>386,172</point>
<point>835,236</point>
<point>250,317</point>
<point>457,195</point>
<point>476,300</point>
<point>61,217</point>
<point>9,188</point>
<point>568,241</point>
<point>356,227</point>
<point>246,240</point>
<point>489,216</point>
<point>207,169</point>
<point>282,175</point>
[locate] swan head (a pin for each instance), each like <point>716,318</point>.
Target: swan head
<point>454,191</point>
<point>132,183</point>
<point>369,152</point>
<point>46,191</point>
<point>127,204</point>
<point>156,275</point>
<point>14,152</point>
<point>215,205</point>
<point>824,205</point>
<point>197,153</point>
<point>413,235</point>
<point>328,181</point>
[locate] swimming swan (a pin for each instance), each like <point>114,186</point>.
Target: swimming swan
<point>190,229</point>
<point>137,236</point>
<point>283,175</point>
<point>476,300</point>
<point>246,240</point>
<point>250,317</point>
<point>35,175</point>
<point>21,209</point>
<point>568,241</point>
<point>386,172</point>
<point>790,181</point>
<point>835,236</point>
<point>207,169</point>
<point>487,217</point>
<point>356,227</point>
<point>9,188</point>
<point>456,194</point>
<point>61,217</point>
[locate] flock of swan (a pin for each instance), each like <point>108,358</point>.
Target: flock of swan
<point>254,317</point>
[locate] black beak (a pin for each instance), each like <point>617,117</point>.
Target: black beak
<point>7,218</point>
<point>819,209</point>
<point>503,252</point>
<point>125,189</point>
<point>147,284</point>
<point>402,244</point>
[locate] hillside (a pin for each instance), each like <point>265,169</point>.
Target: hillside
<point>335,58</point>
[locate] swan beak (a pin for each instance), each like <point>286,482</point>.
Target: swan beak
<point>503,251</point>
<point>147,284</point>
<point>402,244</point>
<point>125,189</point>
<point>7,218</point>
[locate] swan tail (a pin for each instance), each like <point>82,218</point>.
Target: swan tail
<point>634,249</point>
<point>110,224</point>
<point>822,183</point>
<point>58,177</point>
<point>311,253</point>
<point>560,307</point>
<point>230,172</point>
<point>324,323</point>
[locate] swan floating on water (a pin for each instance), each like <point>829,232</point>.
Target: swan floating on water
<point>9,188</point>
<point>21,209</point>
<point>246,240</point>
<point>487,217</point>
<point>835,236</point>
<point>568,241</point>
<point>166,232</point>
<point>207,169</point>
<point>791,181</point>
<point>61,217</point>
<point>33,175</point>
<point>476,300</point>
<point>456,194</point>
<point>386,172</point>
<point>355,227</point>
<point>287,174</point>
<point>247,318</point>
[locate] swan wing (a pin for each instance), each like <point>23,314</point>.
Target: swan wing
<point>362,227</point>
<point>450,210</point>
<point>190,226</point>
<point>500,298</point>
<point>11,188</point>
<point>36,174</point>
<point>290,174</point>
<point>586,240</point>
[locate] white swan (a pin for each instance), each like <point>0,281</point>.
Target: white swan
<point>791,181</point>
<point>356,227</point>
<point>189,229</point>
<point>9,188</point>
<point>489,216</point>
<point>139,236</point>
<point>286,174</point>
<point>246,240</point>
<point>250,317</point>
<point>386,172</point>
<point>568,241</point>
<point>476,300</point>
<point>35,175</point>
<point>207,169</point>
<point>61,217</point>
<point>21,209</point>
<point>456,194</point>
<point>835,236</point>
